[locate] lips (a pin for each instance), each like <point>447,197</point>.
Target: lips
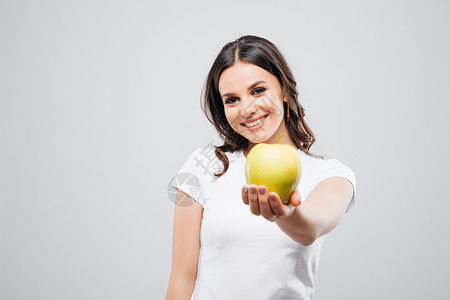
<point>250,122</point>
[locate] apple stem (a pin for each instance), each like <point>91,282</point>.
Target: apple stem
<point>280,137</point>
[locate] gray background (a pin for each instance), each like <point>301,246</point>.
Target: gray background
<point>100,108</point>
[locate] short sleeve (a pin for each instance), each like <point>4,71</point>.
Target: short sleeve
<point>195,173</point>
<point>324,169</point>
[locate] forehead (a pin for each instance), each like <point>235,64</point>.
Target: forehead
<point>241,75</point>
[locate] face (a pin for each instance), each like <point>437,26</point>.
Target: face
<point>253,102</point>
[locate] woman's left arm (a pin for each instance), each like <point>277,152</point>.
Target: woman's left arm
<point>303,222</point>
<point>319,214</point>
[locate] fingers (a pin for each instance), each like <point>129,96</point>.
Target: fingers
<point>253,200</point>
<point>250,197</point>
<point>245,192</point>
<point>295,198</point>
<point>257,198</point>
<point>265,209</point>
<point>277,206</point>
<point>267,204</point>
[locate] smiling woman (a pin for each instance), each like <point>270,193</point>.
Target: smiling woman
<point>243,236</point>
<point>250,73</point>
<point>256,109</point>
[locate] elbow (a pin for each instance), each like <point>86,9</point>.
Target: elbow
<point>307,243</point>
<point>307,240</point>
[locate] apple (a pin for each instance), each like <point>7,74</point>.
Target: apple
<point>277,166</point>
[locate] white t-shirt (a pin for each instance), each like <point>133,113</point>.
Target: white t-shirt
<point>244,256</point>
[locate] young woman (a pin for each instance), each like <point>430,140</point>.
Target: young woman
<point>238,241</point>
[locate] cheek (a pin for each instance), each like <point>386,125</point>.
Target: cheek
<point>272,104</point>
<point>232,116</point>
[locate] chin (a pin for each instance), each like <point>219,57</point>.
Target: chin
<point>257,137</point>
<point>262,135</point>
<point>256,140</point>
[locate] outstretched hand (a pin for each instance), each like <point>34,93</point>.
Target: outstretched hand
<point>268,205</point>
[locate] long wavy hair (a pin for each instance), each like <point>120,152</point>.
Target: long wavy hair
<point>264,54</point>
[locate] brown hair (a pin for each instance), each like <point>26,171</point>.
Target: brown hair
<point>264,54</point>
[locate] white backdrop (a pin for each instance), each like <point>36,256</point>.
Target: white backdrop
<point>100,107</point>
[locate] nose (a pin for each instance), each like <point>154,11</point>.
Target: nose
<point>247,109</point>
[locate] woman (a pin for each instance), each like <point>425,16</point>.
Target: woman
<point>239,241</point>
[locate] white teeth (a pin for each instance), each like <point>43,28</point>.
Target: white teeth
<point>254,123</point>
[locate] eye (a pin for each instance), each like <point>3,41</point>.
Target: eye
<point>230,100</point>
<point>258,90</point>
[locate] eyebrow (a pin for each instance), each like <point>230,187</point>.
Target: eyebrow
<point>249,88</point>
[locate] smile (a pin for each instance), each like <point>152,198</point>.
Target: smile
<point>254,123</point>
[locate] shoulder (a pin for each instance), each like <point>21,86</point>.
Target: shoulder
<point>323,168</point>
<point>318,169</point>
<point>201,161</point>
<point>196,173</point>
<point>204,162</point>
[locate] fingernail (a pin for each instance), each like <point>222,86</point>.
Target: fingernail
<point>253,190</point>
<point>245,190</point>
<point>272,198</point>
<point>262,191</point>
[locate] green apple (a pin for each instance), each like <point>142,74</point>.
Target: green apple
<point>277,166</point>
